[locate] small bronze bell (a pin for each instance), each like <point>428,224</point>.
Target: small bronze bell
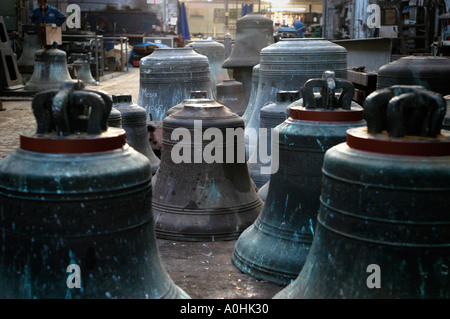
<point>76,217</point>
<point>271,116</point>
<point>168,76</point>
<point>231,94</point>
<point>82,68</point>
<point>135,124</point>
<point>383,224</point>
<point>275,247</point>
<point>202,189</point>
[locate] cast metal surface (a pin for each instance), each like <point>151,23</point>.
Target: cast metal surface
<point>271,116</point>
<point>75,193</point>
<point>286,66</point>
<point>115,118</point>
<point>134,122</point>
<point>385,201</point>
<point>50,70</point>
<point>275,247</point>
<point>194,200</point>
<point>253,32</point>
<point>251,103</point>
<point>83,68</point>
<point>167,77</point>
<point>215,52</point>
<point>196,96</point>
<point>428,71</point>
<point>231,94</point>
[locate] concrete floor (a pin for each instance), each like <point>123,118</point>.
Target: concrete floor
<point>204,270</point>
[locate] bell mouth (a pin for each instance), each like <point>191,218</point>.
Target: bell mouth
<point>360,139</point>
<point>110,140</point>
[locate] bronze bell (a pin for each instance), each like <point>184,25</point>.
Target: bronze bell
<point>115,118</point>
<point>383,224</point>
<point>167,77</point>
<point>215,52</point>
<point>254,32</point>
<point>26,61</point>
<point>251,103</point>
<point>231,94</point>
<point>275,247</point>
<point>135,124</point>
<point>202,190</point>
<point>271,116</point>
<point>76,217</point>
<point>82,68</point>
<point>432,72</point>
<point>50,70</point>
<point>195,96</point>
<point>287,65</point>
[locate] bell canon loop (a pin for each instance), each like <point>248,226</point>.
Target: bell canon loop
<point>383,223</point>
<point>75,199</point>
<point>276,246</point>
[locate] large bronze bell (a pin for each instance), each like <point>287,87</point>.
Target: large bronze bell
<point>231,94</point>
<point>215,52</point>
<point>275,247</point>
<point>254,32</point>
<point>50,70</point>
<point>251,103</point>
<point>271,116</point>
<point>75,200</point>
<point>287,65</point>
<point>167,77</point>
<point>432,72</point>
<point>203,191</point>
<point>134,122</point>
<point>383,225</point>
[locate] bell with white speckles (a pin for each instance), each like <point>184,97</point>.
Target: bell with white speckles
<point>275,247</point>
<point>75,207</point>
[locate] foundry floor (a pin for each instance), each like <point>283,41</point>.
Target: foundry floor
<point>204,270</point>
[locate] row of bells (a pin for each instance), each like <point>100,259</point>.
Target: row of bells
<point>346,194</point>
